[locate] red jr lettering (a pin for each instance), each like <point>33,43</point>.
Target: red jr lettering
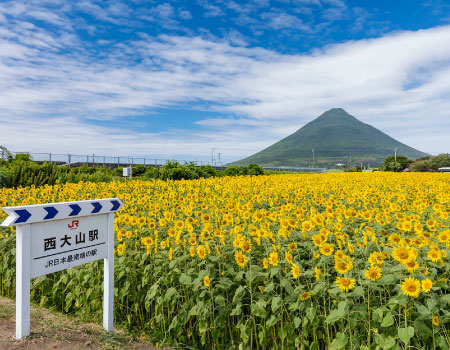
<point>73,225</point>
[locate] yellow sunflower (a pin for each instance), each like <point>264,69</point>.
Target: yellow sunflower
<point>435,321</point>
<point>201,252</point>
<point>423,270</point>
<point>240,258</point>
<point>206,281</point>
<point>411,265</point>
<point>345,284</point>
<point>295,271</point>
<point>121,248</point>
<point>339,255</point>
<point>147,241</point>
<point>326,249</point>
<point>373,273</point>
<point>376,258</point>
<point>317,273</point>
<point>192,251</point>
<point>434,255</point>
<point>305,296</point>
<point>342,266</point>
<point>444,236</point>
<point>292,246</point>
<point>288,257</point>
<point>402,254</point>
<point>427,284</point>
<point>411,287</point>
<point>273,258</point>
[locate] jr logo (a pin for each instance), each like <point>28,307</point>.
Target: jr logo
<point>73,225</point>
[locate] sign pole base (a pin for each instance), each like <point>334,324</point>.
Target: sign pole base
<point>108,283</point>
<point>23,249</point>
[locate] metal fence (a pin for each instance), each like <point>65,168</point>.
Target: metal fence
<point>297,169</point>
<point>95,159</point>
<point>121,161</point>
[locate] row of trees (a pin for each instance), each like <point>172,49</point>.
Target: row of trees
<point>176,171</point>
<point>428,163</point>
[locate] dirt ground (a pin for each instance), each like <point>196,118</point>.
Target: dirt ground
<point>50,330</point>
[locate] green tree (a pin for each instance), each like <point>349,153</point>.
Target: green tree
<point>5,177</point>
<point>431,163</point>
<point>23,156</point>
<point>439,161</point>
<point>5,154</point>
<point>206,171</point>
<point>176,171</point>
<point>255,169</point>
<point>398,163</point>
<point>235,170</point>
<point>117,171</point>
<point>138,169</point>
<point>151,173</point>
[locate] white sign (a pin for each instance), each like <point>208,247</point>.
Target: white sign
<point>127,172</point>
<point>57,236</point>
<point>61,244</point>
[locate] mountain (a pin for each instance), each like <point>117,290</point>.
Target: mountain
<point>335,137</point>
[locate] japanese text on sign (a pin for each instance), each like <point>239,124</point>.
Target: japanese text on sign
<point>58,245</point>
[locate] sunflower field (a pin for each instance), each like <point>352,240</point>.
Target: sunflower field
<point>313,261</point>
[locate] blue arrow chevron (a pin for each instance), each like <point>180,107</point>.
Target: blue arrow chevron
<point>97,207</point>
<point>24,215</point>
<point>75,209</point>
<point>116,205</point>
<point>51,212</point>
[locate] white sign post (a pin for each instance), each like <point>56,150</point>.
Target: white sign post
<point>56,236</point>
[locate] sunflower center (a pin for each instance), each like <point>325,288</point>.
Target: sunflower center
<point>411,288</point>
<point>402,254</point>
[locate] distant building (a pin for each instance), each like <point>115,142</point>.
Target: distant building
<point>444,170</point>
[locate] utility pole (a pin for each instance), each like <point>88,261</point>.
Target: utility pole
<point>129,168</point>
<point>219,160</point>
<point>395,159</point>
<point>313,156</point>
<point>212,156</point>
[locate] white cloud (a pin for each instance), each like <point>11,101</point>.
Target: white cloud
<point>164,10</point>
<point>184,14</point>
<point>211,10</point>
<point>281,20</point>
<point>52,86</point>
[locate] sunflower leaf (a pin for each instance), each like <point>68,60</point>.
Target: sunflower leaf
<point>405,334</point>
<point>388,320</point>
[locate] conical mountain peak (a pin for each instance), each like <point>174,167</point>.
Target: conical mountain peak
<point>336,114</point>
<point>336,137</point>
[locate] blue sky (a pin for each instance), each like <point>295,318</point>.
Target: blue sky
<point>177,78</point>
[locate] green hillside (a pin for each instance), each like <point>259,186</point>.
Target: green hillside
<point>336,137</point>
